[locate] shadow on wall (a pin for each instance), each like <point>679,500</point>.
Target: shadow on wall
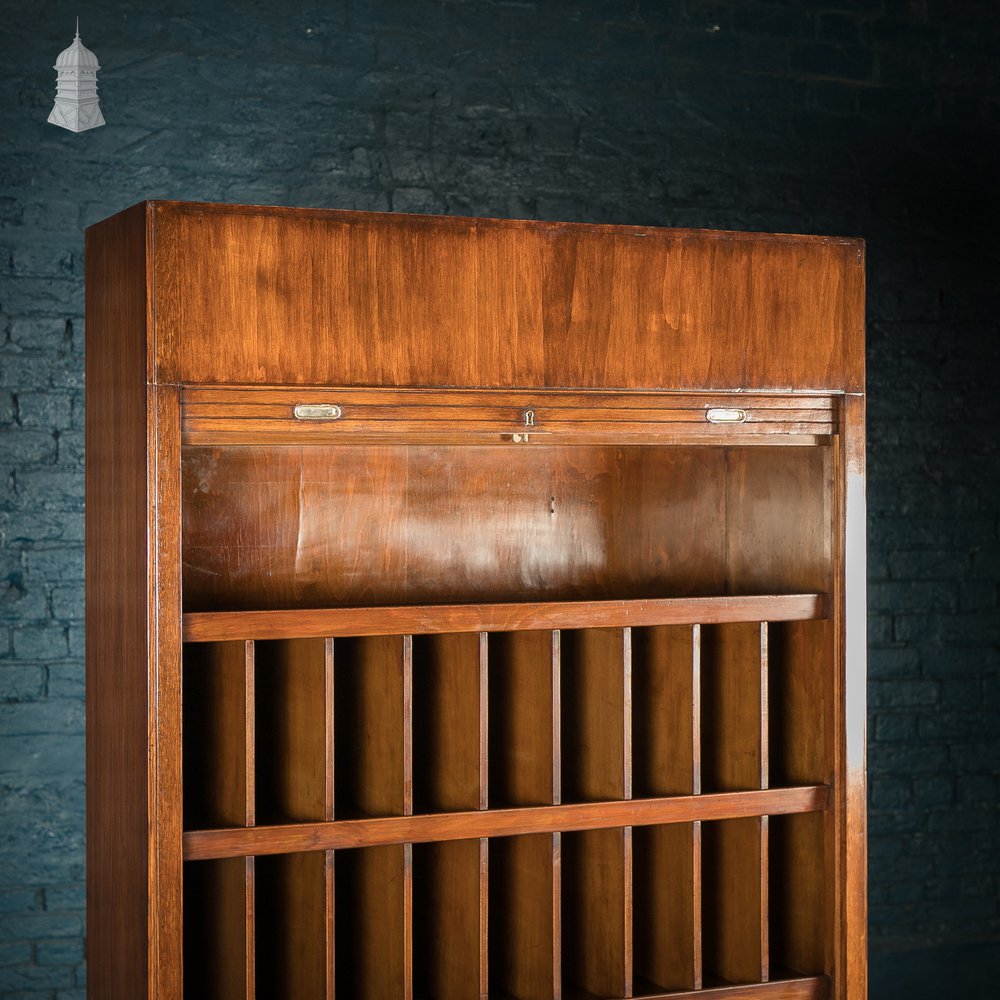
<point>945,197</point>
<point>948,972</point>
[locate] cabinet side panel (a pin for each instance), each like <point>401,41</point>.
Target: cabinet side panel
<point>250,295</point>
<point>117,609</point>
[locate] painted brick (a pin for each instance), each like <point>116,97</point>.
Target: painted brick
<point>65,897</point>
<point>50,410</point>
<point>68,951</point>
<point>20,900</point>
<point>48,642</point>
<point>934,789</point>
<point>22,978</point>
<point>39,926</point>
<point>903,693</point>
<point>22,682</point>
<point>18,953</point>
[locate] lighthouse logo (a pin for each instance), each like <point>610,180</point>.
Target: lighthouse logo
<point>76,106</point>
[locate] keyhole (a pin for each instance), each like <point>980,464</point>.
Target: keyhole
<point>529,418</point>
<point>552,505</point>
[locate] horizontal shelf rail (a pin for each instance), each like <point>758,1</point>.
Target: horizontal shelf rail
<point>201,845</point>
<point>218,626</point>
<point>803,988</point>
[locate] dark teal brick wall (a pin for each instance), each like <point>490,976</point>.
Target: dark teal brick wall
<point>876,118</point>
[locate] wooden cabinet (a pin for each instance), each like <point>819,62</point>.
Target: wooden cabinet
<point>474,608</point>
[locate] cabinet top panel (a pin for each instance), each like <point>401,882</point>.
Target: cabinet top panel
<point>250,295</point>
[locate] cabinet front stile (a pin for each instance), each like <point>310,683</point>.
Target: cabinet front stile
<point>166,861</point>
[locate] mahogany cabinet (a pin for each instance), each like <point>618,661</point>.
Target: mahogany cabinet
<point>474,609</point>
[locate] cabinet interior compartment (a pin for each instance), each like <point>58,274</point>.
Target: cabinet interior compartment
<point>524,718</point>
<point>666,711</point>
<point>373,774</point>
<point>525,917</point>
<point>450,919</point>
<point>596,715</point>
<point>310,526</point>
<point>667,916</point>
<point>218,734</point>
<point>597,912</point>
<point>294,730</point>
<point>799,875</point>
<point>800,702</point>
<point>319,729</point>
<point>374,912</point>
<point>734,707</point>
<point>295,926</point>
<point>449,722</point>
<point>219,929</point>
<point>735,901</point>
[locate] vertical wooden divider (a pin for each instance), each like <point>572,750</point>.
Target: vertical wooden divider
<point>556,841</point>
<point>219,774</point>
<point>484,803</point>
<point>250,818</point>
<point>735,758</point>
<point>597,765</point>
<point>667,713</point>
<point>525,900</point>
<point>765,827</point>
<point>329,810</point>
<point>407,943</point>
<point>329,793</point>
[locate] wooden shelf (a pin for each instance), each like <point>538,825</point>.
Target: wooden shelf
<point>200,845</point>
<point>474,784</point>
<point>427,619</point>
<point>802,988</point>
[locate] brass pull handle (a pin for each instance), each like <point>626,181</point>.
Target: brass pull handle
<point>317,411</point>
<point>722,415</point>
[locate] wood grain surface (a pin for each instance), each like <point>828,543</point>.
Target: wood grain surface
<point>526,917</point>
<point>121,664</point>
<point>204,844</point>
<point>327,297</point>
<point>517,674</point>
<point>526,616</point>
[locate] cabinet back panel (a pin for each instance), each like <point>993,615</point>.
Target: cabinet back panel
<point>596,715</point>
<point>218,750</point>
<point>374,923</point>
<point>372,715</point>
<point>219,930</point>
<point>526,917</point>
<point>294,934</point>
<point>667,906</point>
<point>524,723</point>
<point>449,722</point>
<point>798,895</point>
<point>290,526</point>
<point>449,920</point>
<point>800,693</point>
<point>293,684</point>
